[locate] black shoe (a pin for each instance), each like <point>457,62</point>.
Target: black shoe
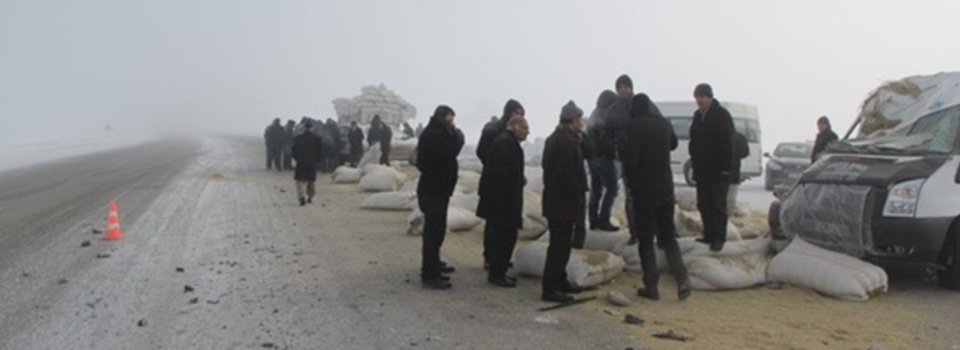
<point>504,282</point>
<point>651,294</point>
<point>436,283</point>
<point>683,291</point>
<point>444,268</point>
<point>607,226</point>
<point>309,199</point>
<point>593,224</point>
<point>704,241</point>
<point>303,201</point>
<point>556,297</point>
<point>716,246</point>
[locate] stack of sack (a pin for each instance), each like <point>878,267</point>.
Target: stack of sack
<point>830,273</point>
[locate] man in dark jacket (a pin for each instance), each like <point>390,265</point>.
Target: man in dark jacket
<point>356,143</point>
<point>711,153</point>
<point>604,182</point>
<point>437,151</point>
<point>494,128</point>
<point>288,144</point>
<point>501,199</point>
<point>385,135</point>
<point>650,179</point>
<point>741,150</point>
<point>331,158</point>
<point>307,151</point>
<point>564,185</point>
<point>273,138</point>
<point>825,137</point>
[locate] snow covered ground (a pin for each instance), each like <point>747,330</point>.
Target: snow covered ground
<point>23,155</point>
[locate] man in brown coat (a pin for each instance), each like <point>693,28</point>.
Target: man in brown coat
<point>564,185</point>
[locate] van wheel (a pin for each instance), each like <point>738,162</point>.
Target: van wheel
<point>949,258</point>
<point>688,174</point>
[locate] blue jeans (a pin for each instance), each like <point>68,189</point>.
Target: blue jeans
<point>603,185</point>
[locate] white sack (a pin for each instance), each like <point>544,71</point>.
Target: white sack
<point>631,255</point>
<point>834,274</point>
<point>686,199</point>
<point>606,241</point>
<point>531,230</point>
<point>466,202</point>
<point>470,181</point>
<point>689,224</point>
<point>725,272</point>
<point>532,207</point>
<point>410,186</point>
<point>689,247</point>
<point>378,178</point>
<point>585,269</point>
<point>461,220</point>
<point>390,201</point>
<point>372,156</point>
<point>346,175</point>
<point>415,222</point>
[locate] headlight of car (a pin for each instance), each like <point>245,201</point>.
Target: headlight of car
<point>902,200</point>
<point>774,166</point>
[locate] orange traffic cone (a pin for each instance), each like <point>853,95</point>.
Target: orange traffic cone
<point>113,223</point>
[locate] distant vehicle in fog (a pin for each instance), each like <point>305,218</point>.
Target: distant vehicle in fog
<point>785,165</point>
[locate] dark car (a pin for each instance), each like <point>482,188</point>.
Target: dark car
<point>788,161</point>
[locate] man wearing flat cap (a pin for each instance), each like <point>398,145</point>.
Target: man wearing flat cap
<point>564,200</point>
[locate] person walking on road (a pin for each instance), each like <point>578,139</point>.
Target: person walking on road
<point>273,138</point>
<point>288,144</point>
<point>501,198</point>
<point>711,153</point>
<point>650,180</point>
<point>355,137</point>
<point>603,171</point>
<point>825,137</point>
<point>741,150</point>
<point>565,182</point>
<point>437,151</point>
<point>307,151</point>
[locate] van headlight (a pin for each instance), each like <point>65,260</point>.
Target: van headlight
<point>902,200</point>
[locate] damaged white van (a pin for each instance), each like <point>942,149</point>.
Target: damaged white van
<point>893,191</point>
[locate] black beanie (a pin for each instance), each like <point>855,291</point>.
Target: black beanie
<point>511,106</point>
<point>624,80</point>
<point>703,89</point>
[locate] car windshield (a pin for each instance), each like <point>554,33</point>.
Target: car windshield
<point>793,150</point>
<point>935,133</point>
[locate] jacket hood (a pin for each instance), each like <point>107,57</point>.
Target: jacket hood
<point>508,109</point>
<point>606,98</point>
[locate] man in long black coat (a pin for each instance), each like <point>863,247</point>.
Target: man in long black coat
<point>711,153</point>
<point>825,137</point>
<point>564,200</point>
<point>356,143</point>
<point>437,151</point>
<point>273,138</point>
<point>650,179</point>
<point>501,199</point>
<point>307,151</point>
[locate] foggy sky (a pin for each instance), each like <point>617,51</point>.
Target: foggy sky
<point>68,68</point>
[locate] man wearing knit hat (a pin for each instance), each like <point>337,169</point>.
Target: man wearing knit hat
<point>711,153</point>
<point>564,185</point>
<point>490,131</point>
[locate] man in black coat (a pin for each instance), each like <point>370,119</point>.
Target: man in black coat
<point>385,135</point>
<point>273,138</point>
<point>711,153</point>
<point>650,179</point>
<point>288,144</point>
<point>495,127</point>
<point>564,202</point>
<point>501,199</point>
<point>307,151</point>
<point>437,151</point>
<point>356,143</point>
<point>825,137</point>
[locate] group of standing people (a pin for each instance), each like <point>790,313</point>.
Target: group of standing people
<point>625,137</point>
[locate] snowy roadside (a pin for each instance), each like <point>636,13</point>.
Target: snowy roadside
<point>24,155</point>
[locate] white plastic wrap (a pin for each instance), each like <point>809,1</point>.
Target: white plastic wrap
<point>831,216</point>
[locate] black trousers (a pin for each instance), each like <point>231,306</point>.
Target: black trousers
<point>558,255</point>
<point>274,157</point>
<point>385,156</point>
<point>655,220</point>
<point>712,204</point>
<point>434,231</point>
<point>502,239</point>
<point>579,234</point>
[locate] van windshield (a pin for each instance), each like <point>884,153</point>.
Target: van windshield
<point>935,133</point>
